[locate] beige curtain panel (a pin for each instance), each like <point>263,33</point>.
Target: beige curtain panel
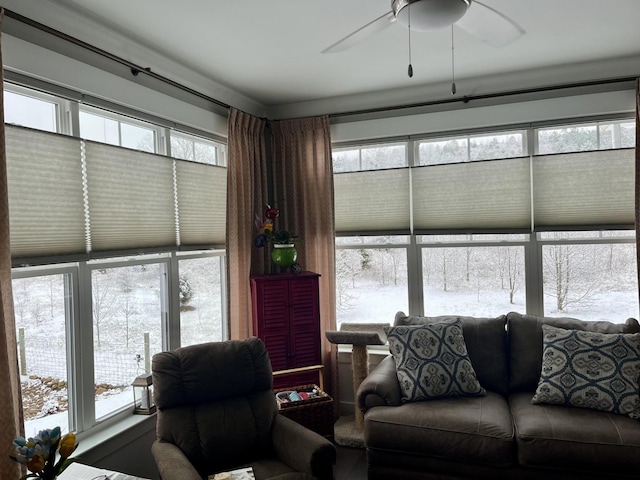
<point>246,195</point>
<point>303,190</point>
<point>10,400</point>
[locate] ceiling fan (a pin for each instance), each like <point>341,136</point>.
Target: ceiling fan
<point>474,17</point>
<point>480,20</point>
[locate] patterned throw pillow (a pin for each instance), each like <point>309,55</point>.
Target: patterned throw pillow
<point>432,362</point>
<point>590,370</point>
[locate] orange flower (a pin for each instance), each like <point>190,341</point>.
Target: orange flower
<point>36,464</point>
<point>67,445</point>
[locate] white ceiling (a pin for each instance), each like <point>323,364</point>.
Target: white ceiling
<point>269,52</point>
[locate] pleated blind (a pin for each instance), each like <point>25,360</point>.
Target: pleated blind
<point>371,201</point>
<point>585,189</point>
<point>202,200</point>
<point>476,195</point>
<point>46,212</point>
<point>131,202</point>
<point>70,197</point>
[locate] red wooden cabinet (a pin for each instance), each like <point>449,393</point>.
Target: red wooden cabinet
<point>286,316</point>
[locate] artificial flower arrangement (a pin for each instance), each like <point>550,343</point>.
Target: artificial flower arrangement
<point>46,454</point>
<point>266,232</point>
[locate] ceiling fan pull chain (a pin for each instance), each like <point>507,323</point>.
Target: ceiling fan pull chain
<point>410,69</point>
<point>453,66</point>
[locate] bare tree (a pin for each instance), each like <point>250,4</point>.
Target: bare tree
<point>567,268</point>
<point>509,268</point>
<point>128,303</point>
<point>103,302</point>
<point>347,269</point>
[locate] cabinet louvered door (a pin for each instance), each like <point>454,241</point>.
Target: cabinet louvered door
<point>304,321</point>
<point>273,321</point>
<point>286,316</point>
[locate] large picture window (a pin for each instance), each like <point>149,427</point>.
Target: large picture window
<point>536,220</point>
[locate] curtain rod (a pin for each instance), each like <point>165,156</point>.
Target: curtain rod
<point>468,98</point>
<point>135,69</point>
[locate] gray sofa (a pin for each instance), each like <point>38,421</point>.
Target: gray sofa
<point>502,434</point>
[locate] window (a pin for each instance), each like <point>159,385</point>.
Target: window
<point>127,310</point>
<point>489,227</point>
<point>124,247</point>
<point>584,137</point>
<point>105,127</point>
<point>31,109</point>
<point>480,279</point>
<point>471,148</point>
<point>42,312</point>
<point>373,157</point>
<point>190,147</point>
<point>201,306</point>
<point>81,379</point>
<point>590,274</point>
<point>371,278</point>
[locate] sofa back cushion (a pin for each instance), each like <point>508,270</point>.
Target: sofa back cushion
<point>486,343</point>
<point>525,343</point>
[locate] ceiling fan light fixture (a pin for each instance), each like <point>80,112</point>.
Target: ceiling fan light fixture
<point>429,14</point>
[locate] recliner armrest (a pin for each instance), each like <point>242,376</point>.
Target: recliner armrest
<point>380,387</point>
<point>172,462</point>
<point>302,449</point>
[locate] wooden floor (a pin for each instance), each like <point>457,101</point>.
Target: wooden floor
<point>351,464</point>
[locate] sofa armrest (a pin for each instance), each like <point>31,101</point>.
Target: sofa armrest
<point>381,386</point>
<point>172,462</point>
<point>302,449</point>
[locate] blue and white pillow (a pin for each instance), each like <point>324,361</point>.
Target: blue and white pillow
<point>432,362</point>
<point>590,370</point>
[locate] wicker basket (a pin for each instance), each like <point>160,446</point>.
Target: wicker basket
<point>315,413</point>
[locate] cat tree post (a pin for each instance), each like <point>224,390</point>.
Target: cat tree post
<point>350,432</point>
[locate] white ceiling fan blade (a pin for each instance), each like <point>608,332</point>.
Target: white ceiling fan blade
<point>489,25</point>
<point>362,33</point>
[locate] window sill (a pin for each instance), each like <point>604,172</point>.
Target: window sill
<point>103,441</point>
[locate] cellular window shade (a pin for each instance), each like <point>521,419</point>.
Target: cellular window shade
<point>131,198</point>
<point>584,189</point>
<point>45,193</point>
<point>372,201</point>
<point>492,194</point>
<point>202,201</point>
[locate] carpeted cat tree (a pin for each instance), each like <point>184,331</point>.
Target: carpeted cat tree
<point>349,430</point>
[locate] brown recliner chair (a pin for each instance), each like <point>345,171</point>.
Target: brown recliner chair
<point>217,412</point>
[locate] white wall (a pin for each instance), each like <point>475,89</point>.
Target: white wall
<point>476,115</point>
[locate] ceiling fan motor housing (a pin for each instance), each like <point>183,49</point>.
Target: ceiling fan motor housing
<point>424,15</point>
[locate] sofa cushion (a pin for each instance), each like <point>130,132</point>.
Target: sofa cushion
<point>486,342</point>
<point>590,370</point>
<point>462,429</point>
<point>576,439</point>
<point>525,344</point>
<point>432,361</point>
